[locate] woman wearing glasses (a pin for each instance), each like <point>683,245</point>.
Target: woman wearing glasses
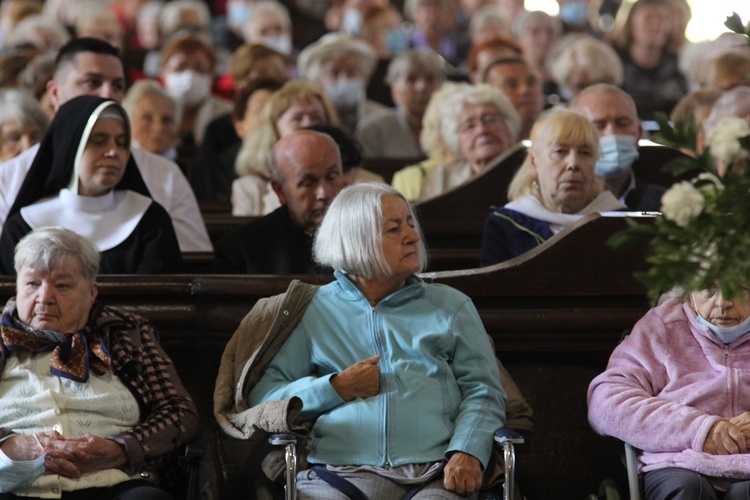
<point>479,124</point>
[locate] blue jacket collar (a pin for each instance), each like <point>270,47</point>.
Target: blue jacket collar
<point>413,288</point>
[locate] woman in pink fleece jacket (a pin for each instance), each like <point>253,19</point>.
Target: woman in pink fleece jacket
<point>678,389</point>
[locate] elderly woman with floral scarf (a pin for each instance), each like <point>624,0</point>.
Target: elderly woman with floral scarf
<point>88,399</point>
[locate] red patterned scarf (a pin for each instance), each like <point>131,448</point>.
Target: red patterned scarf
<point>73,354</point>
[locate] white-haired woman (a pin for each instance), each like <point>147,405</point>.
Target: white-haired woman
<point>554,187</point>
<point>270,24</point>
<point>154,117</point>
<point>413,76</point>
<point>184,15</point>
<point>409,179</point>
<point>536,33</point>
<point>88,398</point>
<point>582,61</point>
<point>23,122</point>
<point>398,374</point>
<point>40,31</point>
<point>478,124</point>
<point>342,65</point>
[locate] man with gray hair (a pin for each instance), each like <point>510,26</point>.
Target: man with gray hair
<point>307,176</point>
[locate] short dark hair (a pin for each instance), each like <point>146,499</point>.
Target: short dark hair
<point>70,50</point>
<point>263,83</point>
<point>352,153</point>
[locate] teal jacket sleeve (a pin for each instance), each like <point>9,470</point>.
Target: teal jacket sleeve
<point>482,410</point>
<point>292,373</point>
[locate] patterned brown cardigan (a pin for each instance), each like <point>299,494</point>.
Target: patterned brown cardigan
<point>169,418</point>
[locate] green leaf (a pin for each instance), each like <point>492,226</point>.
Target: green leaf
<point>680,166</point>
<point>734,23</point>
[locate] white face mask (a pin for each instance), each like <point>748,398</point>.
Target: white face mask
<point>346,93</point>
<point>188,87</point>
<point>281,43</point>
<point>726,334</point>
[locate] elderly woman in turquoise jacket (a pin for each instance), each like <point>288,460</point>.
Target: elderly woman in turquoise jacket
<point>399,375</point>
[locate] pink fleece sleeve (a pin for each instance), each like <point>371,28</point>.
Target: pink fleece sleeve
<point>636,399</point>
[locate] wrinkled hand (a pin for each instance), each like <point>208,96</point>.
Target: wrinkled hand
<point>742,422</point>
<point>360,380</point>
<point>725,438</point>
<point>462,474</point>
<point>23,448</point>
<point>72,457</point>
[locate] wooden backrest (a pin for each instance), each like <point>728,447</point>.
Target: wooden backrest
<point>572,293</point>
<point>652,157</point>
<point>573,265</point>
<point>218,224</point>
<point>386,167</point>
<point>452,222</point>
<point>456,218</point>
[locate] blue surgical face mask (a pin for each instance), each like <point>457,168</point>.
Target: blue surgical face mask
<point>616,155</point>
<point>726,334</point>
<point>352,22</point>
<point>574,13</point>
<point>238,13</point>
<point>397,40</point>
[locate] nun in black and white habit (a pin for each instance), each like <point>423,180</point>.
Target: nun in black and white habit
<point>84,179</point>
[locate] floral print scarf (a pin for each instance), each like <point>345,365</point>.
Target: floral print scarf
<point>73,354</point>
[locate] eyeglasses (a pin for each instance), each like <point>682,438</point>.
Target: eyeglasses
<point>485,119</point>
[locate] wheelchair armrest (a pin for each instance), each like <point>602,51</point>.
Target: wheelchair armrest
<point>289,442</point>
<point>505,440</point>
<point>506,434</point>
<point>281,439</point>
<point>191,453</point>
<point>631,463</point>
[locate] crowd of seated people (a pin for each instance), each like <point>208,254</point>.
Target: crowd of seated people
<point>217,99</point>
<point>216,104</point>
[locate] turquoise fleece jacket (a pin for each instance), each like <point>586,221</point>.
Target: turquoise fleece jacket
<point>440,388</point>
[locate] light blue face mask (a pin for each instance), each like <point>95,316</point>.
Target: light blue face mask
<point>397,40</point>
<point>352,22</point>
<point>726,334</point>
<point>616,155</point>
<point>21,471</point>
<point>574,13</point>
<point>238,13</point>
